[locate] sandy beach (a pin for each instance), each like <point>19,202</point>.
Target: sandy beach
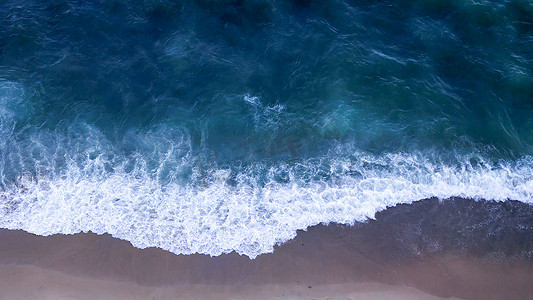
<point>428,250</point>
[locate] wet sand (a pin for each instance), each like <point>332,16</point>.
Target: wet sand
<point>427,250</point>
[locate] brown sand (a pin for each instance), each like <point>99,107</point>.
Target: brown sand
<point>377,260</point>
<point>30,282</point>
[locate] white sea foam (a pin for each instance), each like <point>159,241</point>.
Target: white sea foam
<point>217,217</point>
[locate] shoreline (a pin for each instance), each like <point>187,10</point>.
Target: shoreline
<point>452,248</point>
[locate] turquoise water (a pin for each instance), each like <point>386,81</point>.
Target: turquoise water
<point>218,126</point>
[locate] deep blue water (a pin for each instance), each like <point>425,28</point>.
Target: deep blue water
<point>216,126</point>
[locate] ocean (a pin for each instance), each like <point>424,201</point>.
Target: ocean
<point>217,126</point>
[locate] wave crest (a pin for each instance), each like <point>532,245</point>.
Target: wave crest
<point>228,212</point>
